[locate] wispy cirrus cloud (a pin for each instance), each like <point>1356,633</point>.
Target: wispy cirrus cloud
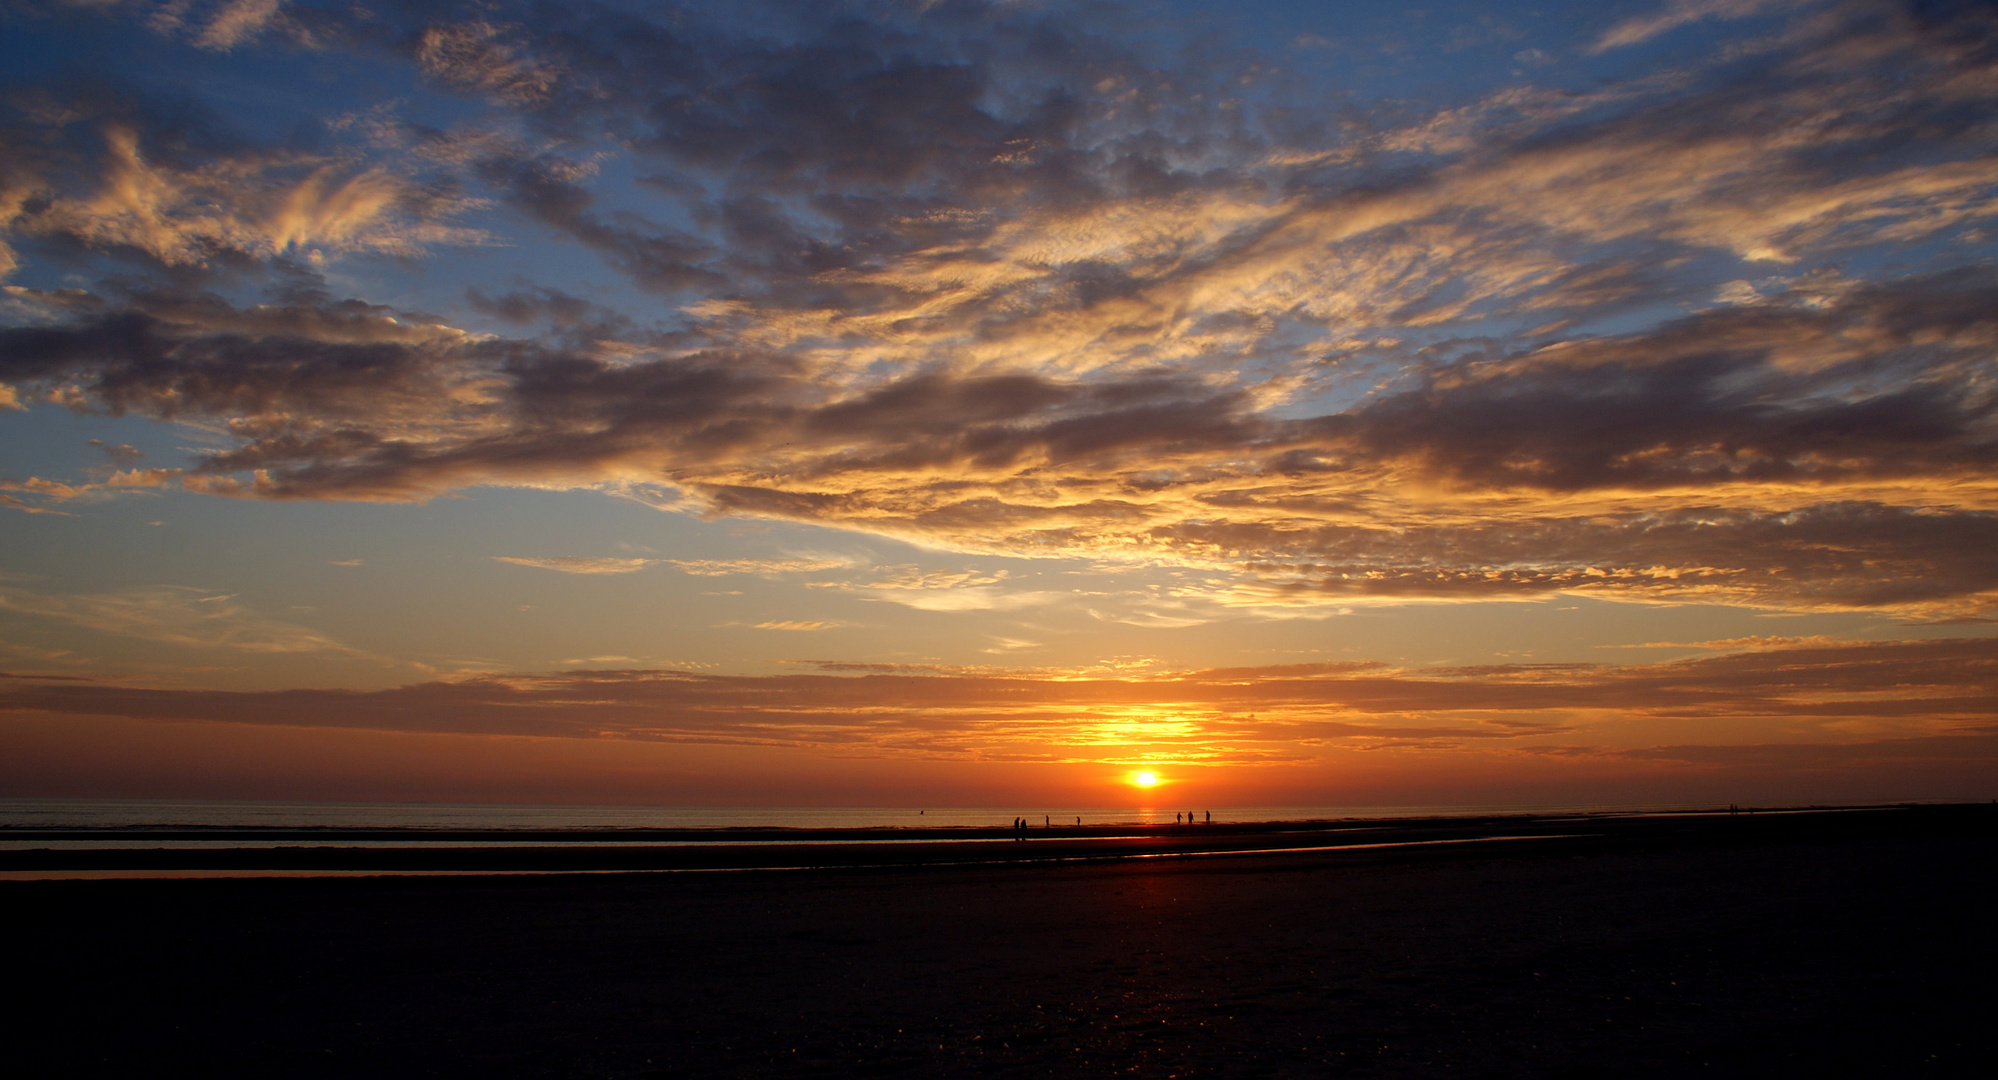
<point>218,25</point>
<point>123,197</point>
<point>172,615</point>
<point>579,565</point>
<point>479,56</point>
<point>723,567</point>
<point>696,567</point>
<point>945,590</point>
<point>1678,13</point>
<point>1759,641</point>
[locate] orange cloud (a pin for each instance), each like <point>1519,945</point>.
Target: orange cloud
<point>1882,720</point>
<point>1818,694</point>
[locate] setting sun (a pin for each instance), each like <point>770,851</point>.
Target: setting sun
<point>1145,779</point>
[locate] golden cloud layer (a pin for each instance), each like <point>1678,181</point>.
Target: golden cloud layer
<point>1824,696</point>
<point>1100,308</point>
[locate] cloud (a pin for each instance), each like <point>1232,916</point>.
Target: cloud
<point>172,615</point>
<point>1679,13</point>
<point>477,56</point>
<point>1817,701</point>
<point>45,492</point>
<point>696,567</point>
<point>238,21</point>
<point>102,174</point>
<point>1760,641</point>
<point>995,280</point>
<point>215,25</point>
<point>1174,617</point>
<point>121,453</point>
<point>724,567</point>
<point>13,503</point>
<point>944,590</point>
<point>1734,456</point>
<point>571,565</point>
<point>977,598</point>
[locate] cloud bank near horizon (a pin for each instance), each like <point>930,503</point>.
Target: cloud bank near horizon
<point>1815,701</point>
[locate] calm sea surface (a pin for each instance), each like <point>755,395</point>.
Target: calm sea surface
<point>145,813</point>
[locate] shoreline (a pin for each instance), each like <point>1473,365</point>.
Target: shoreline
<point>47,854</point>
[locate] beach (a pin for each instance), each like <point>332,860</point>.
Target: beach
<point>1858,942</point>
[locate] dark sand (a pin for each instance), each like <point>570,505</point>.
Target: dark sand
<point>1775,946</point>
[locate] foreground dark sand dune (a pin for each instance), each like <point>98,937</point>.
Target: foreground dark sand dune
<point>1814,945</point>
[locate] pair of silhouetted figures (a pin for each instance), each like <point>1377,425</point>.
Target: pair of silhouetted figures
<point>1021,824</point>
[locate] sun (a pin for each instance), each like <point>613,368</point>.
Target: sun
<point>1147,778</point>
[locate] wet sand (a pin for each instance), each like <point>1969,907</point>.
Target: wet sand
<point>1778,945</point>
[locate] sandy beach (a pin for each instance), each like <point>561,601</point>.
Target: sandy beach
<point>1807,944</point>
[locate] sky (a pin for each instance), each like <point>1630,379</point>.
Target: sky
<point>962,403</point>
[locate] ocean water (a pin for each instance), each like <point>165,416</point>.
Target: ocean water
<point>22,814</point>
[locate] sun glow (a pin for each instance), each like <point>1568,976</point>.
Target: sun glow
<point>1146,778</point>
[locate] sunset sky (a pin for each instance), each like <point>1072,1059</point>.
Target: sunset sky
<point>908,403</point>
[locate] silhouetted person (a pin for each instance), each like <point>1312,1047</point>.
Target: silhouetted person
<point>1210,817</point>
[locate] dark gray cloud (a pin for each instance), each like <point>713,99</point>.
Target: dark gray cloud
<point>1882,381</point>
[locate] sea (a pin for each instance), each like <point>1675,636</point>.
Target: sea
<point>112,814</point>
